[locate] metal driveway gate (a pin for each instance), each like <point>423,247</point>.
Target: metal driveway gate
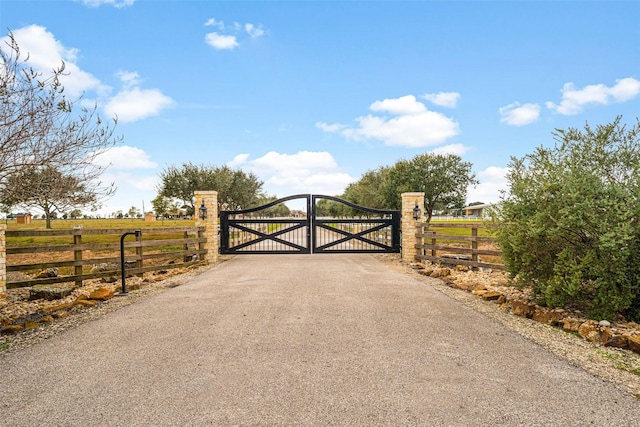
<point>322,224</point>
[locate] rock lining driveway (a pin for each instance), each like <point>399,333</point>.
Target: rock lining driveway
<point>301,340</point>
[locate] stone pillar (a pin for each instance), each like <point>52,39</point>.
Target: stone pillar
<point>408,226</point>
<point>210,223</point>
<point>3,260</point>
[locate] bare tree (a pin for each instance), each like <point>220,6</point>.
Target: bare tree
<point>41,128</point>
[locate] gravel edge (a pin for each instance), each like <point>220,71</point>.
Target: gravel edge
<point>26,338</point>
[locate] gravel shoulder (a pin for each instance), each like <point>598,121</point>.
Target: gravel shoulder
<point>11,343</point>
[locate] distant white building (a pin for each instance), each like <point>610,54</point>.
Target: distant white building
<point>477,211</point>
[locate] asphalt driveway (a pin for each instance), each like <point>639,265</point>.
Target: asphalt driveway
<point>309,340</point>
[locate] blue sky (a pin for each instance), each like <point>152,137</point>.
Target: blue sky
<point>309,95</point>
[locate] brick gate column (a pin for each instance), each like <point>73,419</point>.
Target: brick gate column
<point>408,226</point>
<point>210,223</point>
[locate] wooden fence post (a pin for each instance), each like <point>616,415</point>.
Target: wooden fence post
<point>3,260</point>
<point>77,254</point>
<point>474,246</point>
<point>187,258</point>
<point>139,252</point>
<point>433,242</point>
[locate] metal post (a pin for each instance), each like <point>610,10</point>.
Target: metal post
<point>138,234</point>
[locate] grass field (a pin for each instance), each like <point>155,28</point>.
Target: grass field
<point>68,224</point>
<point>483,230</point>
<point>147,228</point>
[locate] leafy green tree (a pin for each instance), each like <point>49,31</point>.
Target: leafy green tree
<point>367,190</point>
<point>330,208</point>
<point>6,210</point>
<point>161,206</point>
<point>278,211</point>
<point>570,223</point>
<point>48,189</point>
<point>444,179</point>
<point>236,188</point>
<point>133,212</point>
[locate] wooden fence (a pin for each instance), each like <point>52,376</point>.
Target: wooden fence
<point>98,250</point>
<point>458,244</point>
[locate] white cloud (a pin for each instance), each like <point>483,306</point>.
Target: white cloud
<point>254,31</point>
<point>574,100</point>
<point>301,161</point>
<point>128,168</point>
<point>238,160</point>
<point>412,125</point>
<point>457,149</point>
<point>443,99</point>
<point>125,157</point>
<point>221,42</point>
<point>213,22</point>
<point>227,37</point>
<point>330,128</point>
<point>403,105</point>
<point>519,115</point>
<point>130,105</point>
<point>126,181</point>
<point>129,78</point>
<point>625,89</point>
<point>415,130</point>
<point>492,181</point>
<point>302,172</point>
<point>46,53</point>
<point>115,3</point>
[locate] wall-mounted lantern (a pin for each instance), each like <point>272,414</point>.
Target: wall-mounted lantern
<point>416,212</point>
<point>203,211</point>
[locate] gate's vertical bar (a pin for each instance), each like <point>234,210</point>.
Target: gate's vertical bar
<point>474,246</point>
<point>311,217</point>
<point>224,231</point>
<point>77,254</point>
<point>396,242</point>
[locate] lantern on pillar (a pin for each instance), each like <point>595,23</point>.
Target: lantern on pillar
<point>416,212</point>
<point>203,211</point>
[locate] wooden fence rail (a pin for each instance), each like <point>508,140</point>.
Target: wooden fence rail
<point>457,244</point>
<point>158,248</point>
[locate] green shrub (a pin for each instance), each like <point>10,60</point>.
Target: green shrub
<point>569,225</point>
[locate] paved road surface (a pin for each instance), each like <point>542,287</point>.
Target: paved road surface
<point>310,340</point>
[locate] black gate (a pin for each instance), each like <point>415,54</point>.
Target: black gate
<point>325,224</point>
